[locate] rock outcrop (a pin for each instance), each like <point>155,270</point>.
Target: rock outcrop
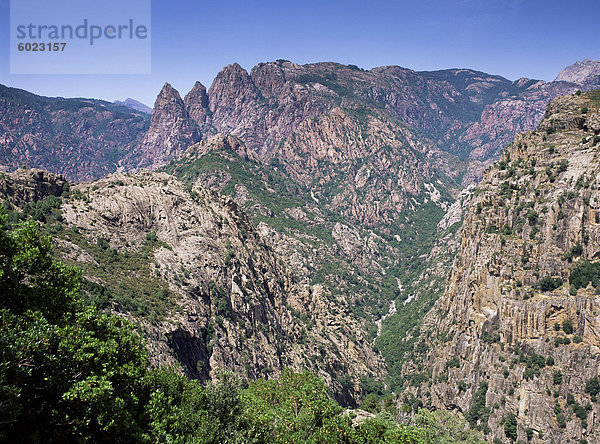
<point>207,289</point>
<point>196,105</point>
<point>516,332</point>
<point>171,131</point>
<point>23,186</point>
<point>586,71</point>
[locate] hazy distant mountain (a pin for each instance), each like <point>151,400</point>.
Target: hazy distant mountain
<point>80,138</point>
<point>134,104</point>
<point>586,71</point>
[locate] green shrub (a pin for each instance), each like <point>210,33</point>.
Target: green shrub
<point>372,386</point>
<point>567,326</point>
<point>557,377</point>
<point>478,414</point>
<point>584,273</point>
<point>454,362</point>
<point>510,426</point>
<point>529,432</point>
<point>549,284</point>
<point>592,386</point>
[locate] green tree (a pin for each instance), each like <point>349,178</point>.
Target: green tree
<point>185,411</point>
<point>592,386</point>
<point>295,408</point>
<point>567,326</point>
<point>510,426</point>
<point>67,373</point>
<point>478,415</point>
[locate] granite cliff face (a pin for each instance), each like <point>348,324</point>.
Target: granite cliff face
<point>171,130</point>
<point>511,114</point>
<point>196,104</point>
<point>80,138</point>
<point>514,340</point>
<point>362,166</point>
<point>207,289</point>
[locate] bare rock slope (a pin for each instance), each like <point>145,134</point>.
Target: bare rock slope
<point>208,291</point>
<point>514,341</point>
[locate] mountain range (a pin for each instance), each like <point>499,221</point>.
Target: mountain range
<point>327,217</point>
<point>459,111</point>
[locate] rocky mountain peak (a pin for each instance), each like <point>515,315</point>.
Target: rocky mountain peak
<point>167,94</point>
<point>582,72</point>
<point>231,88</point>
<point>521,82</point>
<point>171,129</point>
<point>196,105</point>
<point>197,95</point>
<point>272,78</point>
<point>168,103</point>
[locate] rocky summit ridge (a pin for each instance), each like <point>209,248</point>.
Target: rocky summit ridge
<point>464,112</point>
<point>585,71</point>
<point>460,111</point>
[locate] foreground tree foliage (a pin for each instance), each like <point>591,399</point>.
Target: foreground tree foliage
<point>69,373</point>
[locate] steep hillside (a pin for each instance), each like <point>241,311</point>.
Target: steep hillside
<point>80,138</point>
<point>190,269</point>
<point>513,343</point>
<point>359,223</point>
<point>352,214</point>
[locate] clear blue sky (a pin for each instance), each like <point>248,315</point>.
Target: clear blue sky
<point>192,40</point>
